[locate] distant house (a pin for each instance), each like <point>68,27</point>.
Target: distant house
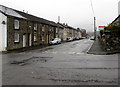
<point>19,29</point>
<point>79,33</point>
<point>83,32</point>
<point>63,32</point>
<point>69,31</point>
<point>59,31</point>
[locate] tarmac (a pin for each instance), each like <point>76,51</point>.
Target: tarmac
<point>96,48</point>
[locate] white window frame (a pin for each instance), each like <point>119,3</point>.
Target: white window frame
<point>16,37</point>
<point>35,26</point>
<point>43,29</point>
<point>16,24</point>
<point>43,38</point>
<point>35,36</point>
<point>56,30</point>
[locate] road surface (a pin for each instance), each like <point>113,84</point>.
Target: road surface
<point>63,64</point>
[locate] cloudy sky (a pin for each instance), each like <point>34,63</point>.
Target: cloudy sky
<point>76,13</point>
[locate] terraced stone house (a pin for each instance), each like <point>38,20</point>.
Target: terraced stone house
<point>20,30</point>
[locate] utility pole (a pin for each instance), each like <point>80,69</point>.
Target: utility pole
<point>94,20</point>
<point>94,28</point>
<point>58,19</point>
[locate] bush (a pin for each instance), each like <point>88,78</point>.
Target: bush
<point>114,29</point>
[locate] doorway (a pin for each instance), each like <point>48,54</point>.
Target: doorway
<point>30,40</point>
<point>24,40</point>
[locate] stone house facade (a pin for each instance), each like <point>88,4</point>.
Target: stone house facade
<point>19,29</point>
<point>59,31</point>
<point>65,32</point>
<point>69,31</point>
<point>83,32</point>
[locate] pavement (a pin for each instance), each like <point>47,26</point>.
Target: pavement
<point>96,48</point>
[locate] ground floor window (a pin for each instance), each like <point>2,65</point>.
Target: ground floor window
<point>16,37</point>
<point>43,39</point>
<point>35,36</point>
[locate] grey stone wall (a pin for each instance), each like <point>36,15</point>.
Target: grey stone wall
<point>11,30</point>
<point>26,28</point>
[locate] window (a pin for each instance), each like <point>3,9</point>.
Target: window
<point>43,39</point>
<point>56,30</point>
<point>43,29</point>
<point>16,37</point>
<point>35,36</point>
<point>16,24</point>
<point>35,26</point>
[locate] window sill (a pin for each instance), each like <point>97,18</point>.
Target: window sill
<point>16,42</point>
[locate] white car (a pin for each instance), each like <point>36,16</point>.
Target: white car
<point>55,41</point>
<point>69,39</point>
<point>92,38</point>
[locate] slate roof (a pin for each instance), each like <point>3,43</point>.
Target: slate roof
<point>10,12</point>
<point>63,25</point>
<point>71,27</point>
<point>15,13</point>
<point>83,30</point>
<point>66,26</point>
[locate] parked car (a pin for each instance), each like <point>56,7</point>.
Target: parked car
<point>74,38</point>
<point>92,38</point>
<point>55,41</point>
<point>83,37</point>
<point>69,39</point>
<point>77,38</point>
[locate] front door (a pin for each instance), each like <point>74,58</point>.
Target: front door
<point>24,40</point>
<point>30,40</point>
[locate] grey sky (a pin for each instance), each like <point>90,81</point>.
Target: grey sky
<point>76,13</point>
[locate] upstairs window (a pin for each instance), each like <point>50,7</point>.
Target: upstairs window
<point>56,30</point>
<point>35,26</point>
<point>43,29</point>
<point>16,24</point>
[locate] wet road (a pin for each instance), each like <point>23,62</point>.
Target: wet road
<point>64,64</point>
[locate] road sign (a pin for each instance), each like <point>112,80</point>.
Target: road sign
<point>101,27</point>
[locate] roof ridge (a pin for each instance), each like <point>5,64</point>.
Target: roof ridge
<point>33,17</point>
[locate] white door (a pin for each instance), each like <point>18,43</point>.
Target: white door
<point>30,40</point>
<point>24,41</point>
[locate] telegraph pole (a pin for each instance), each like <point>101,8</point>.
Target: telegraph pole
<point>58,19</point>
<point>94,20</point>
<point>94,28</point>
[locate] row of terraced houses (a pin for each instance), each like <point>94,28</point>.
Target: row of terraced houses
<point>20,30</point>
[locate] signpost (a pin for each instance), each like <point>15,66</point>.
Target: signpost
<point>101,27</point>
